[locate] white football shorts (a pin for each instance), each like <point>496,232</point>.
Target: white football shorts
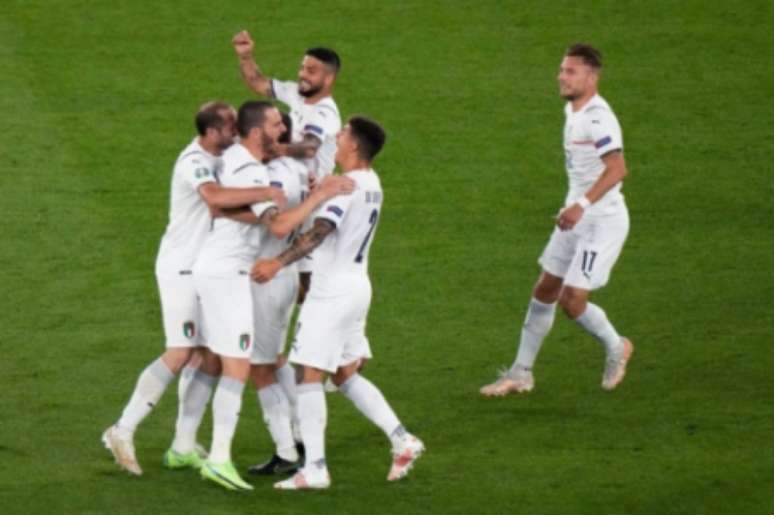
<point>180,310</point>
<point>585,255</point>
<point>227,304</point>
<point>272,307</point>
<point>331,326</point>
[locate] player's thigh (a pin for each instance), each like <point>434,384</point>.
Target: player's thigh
<point>180,310</point>
<point>273,306</point>
<point>227,304</point>
<point>598,250</point>
<point>318,340</point>
<point>559,252</point>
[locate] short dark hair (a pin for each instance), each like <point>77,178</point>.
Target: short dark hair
<point>251,114</point>
<point>288,123</point>
<point>327,56</point>
<point>209,116</point>
<point>590,55</point>
<point>369,135</point>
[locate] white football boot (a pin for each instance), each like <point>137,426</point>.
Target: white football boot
<point>515,380</point>
<point>306,480</point>
<point>122,447</point>
<point>408,450</point>
<point>615,367</point>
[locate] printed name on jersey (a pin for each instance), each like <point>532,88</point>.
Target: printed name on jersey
<point>336,210</point>
<point>373,197</point>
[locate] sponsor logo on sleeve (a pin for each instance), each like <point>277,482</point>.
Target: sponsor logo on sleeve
<point>604,141</point>
<point>275,184</point>
<point>244,341</point>
<point>335,210</point>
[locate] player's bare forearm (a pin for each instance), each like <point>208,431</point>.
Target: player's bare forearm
<point>306,242</point>
<point>615,171</point>
<point>253,77</point>
<point>265,269</point>
<point>241,214</point>
<point>282,224</point>
<point>305,149</point>
<point>219,197</point>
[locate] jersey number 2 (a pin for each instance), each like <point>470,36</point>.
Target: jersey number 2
<point>371,220</point>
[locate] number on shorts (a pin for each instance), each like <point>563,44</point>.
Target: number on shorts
<point>371,220</point>
<point>588,260</point>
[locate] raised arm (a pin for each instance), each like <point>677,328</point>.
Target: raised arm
<point>252,75</point>
<point>264,270</point>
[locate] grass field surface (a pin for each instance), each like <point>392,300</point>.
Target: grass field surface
<point>98,98</point>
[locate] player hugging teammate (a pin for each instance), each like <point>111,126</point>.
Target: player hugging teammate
<point>249,223</point>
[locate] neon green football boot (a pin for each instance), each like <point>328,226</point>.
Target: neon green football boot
<point>225,475</point>
<point>175,460</point>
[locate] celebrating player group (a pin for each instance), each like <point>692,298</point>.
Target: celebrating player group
<point>259,222</point>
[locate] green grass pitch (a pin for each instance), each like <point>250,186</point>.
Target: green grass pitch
<point>97,99</point>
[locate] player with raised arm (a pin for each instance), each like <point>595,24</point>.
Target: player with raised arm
<point>315,115</point>
<point>194,191</point>
<point>221,273</point>
<point>590,233</point>
<point>331,328</point>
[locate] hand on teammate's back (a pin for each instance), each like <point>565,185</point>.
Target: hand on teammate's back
<point>334,185</point>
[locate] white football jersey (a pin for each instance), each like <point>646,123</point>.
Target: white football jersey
<point>345,250</point>
<point>231,247</point>
<point>288,175</point>
<point>589,134</point>
<point>189,216</point>
<point>322,120</point>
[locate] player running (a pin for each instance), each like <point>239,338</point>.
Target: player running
<point>590,233</point>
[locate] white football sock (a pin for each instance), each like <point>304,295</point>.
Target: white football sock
<point>225,414</point>
<point>537,324</point>
<point>368,399</point>
<point>150,386</point>
<point>594,320</point>
<point>194,391</point>
<point>276,413</point>
<point>286,377</point>
<point>313,417</point>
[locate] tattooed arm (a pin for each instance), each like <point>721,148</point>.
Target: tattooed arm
<point>264,270</point>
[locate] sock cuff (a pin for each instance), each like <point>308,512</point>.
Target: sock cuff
<point>271,395</point>
<point>231,385</point>
<point>309,387</point>
<point>160,370</point>
<point>347,385</point>
<point>542,306</point>
<point>203,377</point>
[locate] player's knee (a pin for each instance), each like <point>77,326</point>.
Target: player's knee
<point>176,358</point>
<point>573,302</point>
<point>547,288</point>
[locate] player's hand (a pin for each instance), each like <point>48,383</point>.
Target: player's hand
<point>279,198</point>
<point>334,185</point>
<point>243,44</point>
<point>312,180</point>
<point>569,216</point>
<point>265,269</point>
